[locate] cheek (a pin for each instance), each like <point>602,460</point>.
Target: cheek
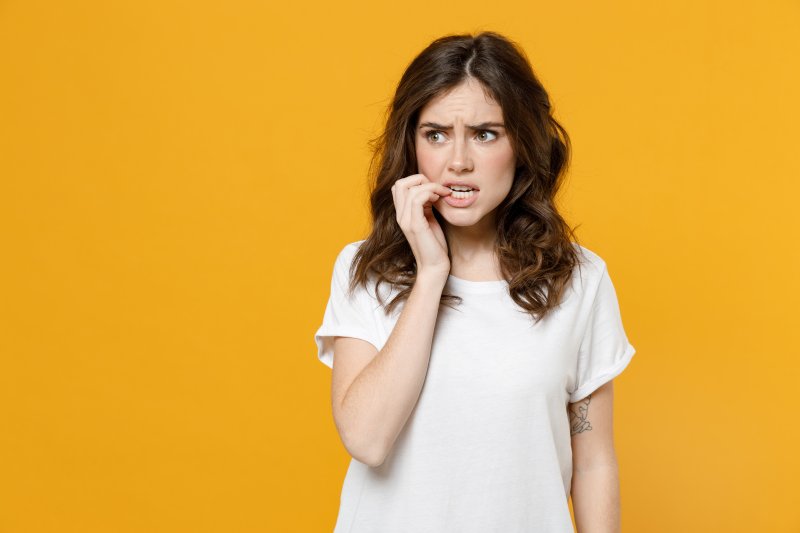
<point>501,162</point>
<point>429,160</point>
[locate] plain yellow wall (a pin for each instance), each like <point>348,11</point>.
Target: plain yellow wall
<point>177,178</point>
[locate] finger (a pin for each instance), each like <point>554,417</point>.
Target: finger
<point>399,193</point>
<point>436,188</point>
<point>409,187</point>
<point>420,195</point>
<point>410,181</point>
<point>417,208</point>
<point>400,188</point>
<point>410,196</point>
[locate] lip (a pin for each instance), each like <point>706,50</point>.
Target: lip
<point>460,202</point>
<point>448,183</point>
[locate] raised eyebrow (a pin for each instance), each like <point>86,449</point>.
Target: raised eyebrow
<point>481,126</point>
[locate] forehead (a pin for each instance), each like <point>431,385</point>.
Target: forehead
<point>469,100</point>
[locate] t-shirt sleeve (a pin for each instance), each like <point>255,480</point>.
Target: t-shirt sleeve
<point>604,351</point>
<point>345,315</point>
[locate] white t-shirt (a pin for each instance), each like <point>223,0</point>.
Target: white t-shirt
<point>487,448</point>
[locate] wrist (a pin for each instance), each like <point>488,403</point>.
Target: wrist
<point>432,277</point>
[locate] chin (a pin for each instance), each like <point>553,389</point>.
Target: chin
<point>460,217</point>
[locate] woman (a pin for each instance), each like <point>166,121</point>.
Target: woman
<point>486,412</point>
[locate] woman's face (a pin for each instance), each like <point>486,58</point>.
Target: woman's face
<point>460,137</point>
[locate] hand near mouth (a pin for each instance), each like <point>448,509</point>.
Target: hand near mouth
<point>414,197</point>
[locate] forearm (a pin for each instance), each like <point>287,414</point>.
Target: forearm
<point>595,499</point>
<point>381,398</point>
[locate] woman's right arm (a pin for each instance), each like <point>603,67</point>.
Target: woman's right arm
<point>374,392</point>
<point>372,410</point>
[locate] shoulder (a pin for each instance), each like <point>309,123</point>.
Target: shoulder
<point>592,266</point>
<point>589,274</point>
<point>344,269</point>
<point>353,247</point>
<point>347,253</point>
<point>370,289</point>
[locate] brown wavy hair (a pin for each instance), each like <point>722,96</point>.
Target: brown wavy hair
<point>533,242</point>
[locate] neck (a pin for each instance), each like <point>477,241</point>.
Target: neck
<point>471,244</point>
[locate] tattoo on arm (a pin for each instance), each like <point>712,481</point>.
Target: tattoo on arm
<point>578,416</point>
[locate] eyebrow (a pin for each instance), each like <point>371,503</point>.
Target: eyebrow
<point>481,126</point>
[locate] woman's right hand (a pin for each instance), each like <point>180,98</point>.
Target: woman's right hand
<point>414,196</point>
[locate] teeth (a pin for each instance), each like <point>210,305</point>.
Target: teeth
<point>460,188</point>
<point>462,194</point>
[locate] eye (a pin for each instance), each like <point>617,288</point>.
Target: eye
<point>490,132</point>
<point>432,132</point>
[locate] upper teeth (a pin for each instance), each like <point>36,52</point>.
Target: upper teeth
<point>460,188</point>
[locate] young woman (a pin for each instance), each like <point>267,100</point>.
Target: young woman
<point>475,343</point>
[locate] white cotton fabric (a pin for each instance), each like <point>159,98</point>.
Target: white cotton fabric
<point>487,447</point>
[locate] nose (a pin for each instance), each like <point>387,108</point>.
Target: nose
<point>461,160</point>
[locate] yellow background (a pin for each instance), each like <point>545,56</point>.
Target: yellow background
<point>177,178</point>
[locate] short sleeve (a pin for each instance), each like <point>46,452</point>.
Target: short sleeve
<point>604,351</point>
<point>345,315</point>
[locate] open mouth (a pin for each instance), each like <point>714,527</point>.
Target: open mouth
<point>462,192</point>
